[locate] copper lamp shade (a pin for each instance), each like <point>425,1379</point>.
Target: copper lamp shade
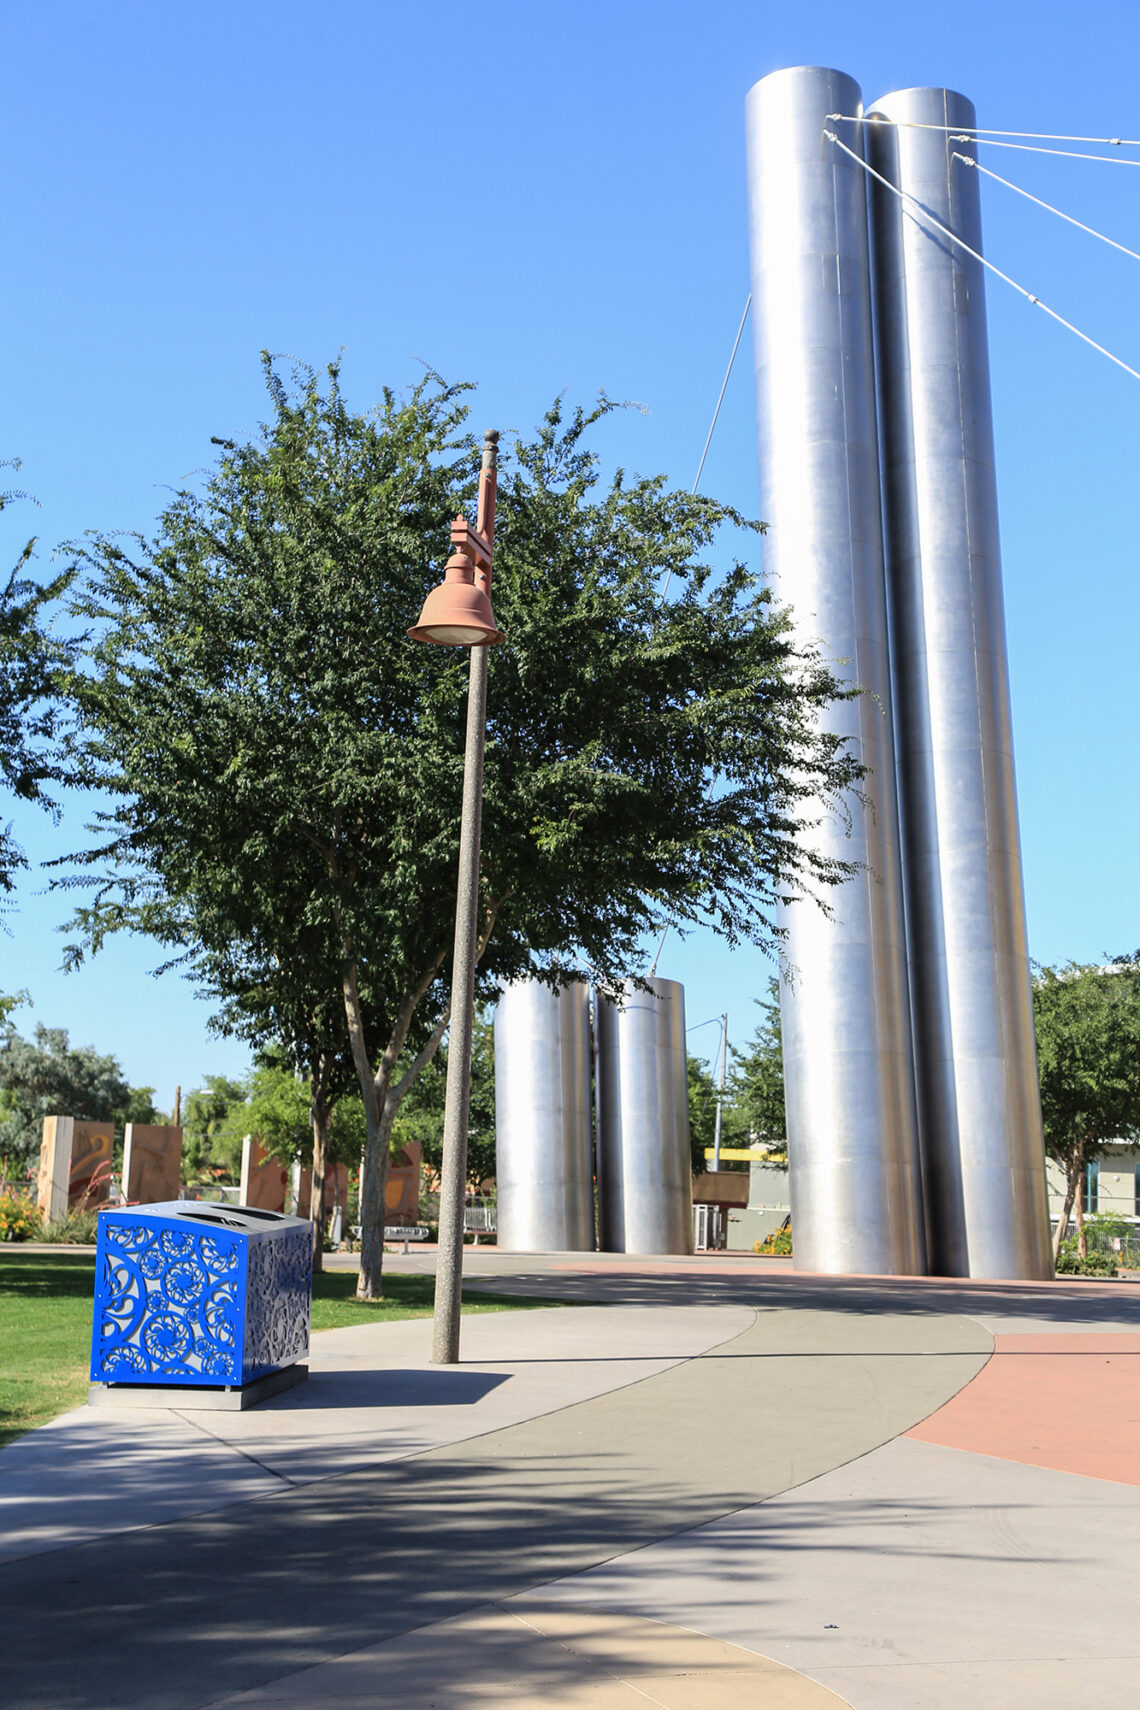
<point>457,613</point>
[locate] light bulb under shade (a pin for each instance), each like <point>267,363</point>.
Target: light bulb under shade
<point>453,635</point>
<point>457,614</point>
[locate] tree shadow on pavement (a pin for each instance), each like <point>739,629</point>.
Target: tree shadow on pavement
<point>1057,1304</point>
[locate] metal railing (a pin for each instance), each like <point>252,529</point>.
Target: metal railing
<point>708,1228</point>
<point>479,1220</point>
<point>1123,1246</point>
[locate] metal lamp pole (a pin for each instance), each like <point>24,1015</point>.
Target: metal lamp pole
<point>458,614</point>
<point>720,1088</point>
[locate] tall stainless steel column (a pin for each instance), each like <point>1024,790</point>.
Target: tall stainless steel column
<point>645,1190</point>
<point>980,1117</point>
<point>855,1187</point>
<point>543,1120</point>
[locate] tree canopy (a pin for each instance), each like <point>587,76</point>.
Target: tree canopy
<point>48,1076</point>
<point>757,1080</point>
<point>287,766</point>
<point>34,665</point>
<point>212,1128</point>
<point>704,1091</point>
<point>1087,1021</point>
<point>274,1104</point>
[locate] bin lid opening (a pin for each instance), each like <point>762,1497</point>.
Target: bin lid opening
<point>214,1217</point>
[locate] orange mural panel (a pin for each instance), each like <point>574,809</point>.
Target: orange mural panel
<point>89,1178</point>
<point>152,1163</point>
<point>402,1194</point>
<point>264,1181</point>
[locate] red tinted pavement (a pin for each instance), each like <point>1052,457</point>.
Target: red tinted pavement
<point>1067,1402</point>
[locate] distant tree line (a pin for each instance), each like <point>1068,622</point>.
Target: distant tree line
<point>48,1076</point>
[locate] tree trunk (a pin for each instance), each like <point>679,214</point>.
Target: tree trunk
<point>373,1166</point>
<point>1082,1232</point>
<point>382,1101</point>
<point>373,1184</point>
<point>378,1158</point>
<point>1073,1174</point>
<point>320,1119</point>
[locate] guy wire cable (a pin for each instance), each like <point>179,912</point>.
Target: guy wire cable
<point>1031,148</point>
<point>968,160</point>
<point>905,196</point>
<point>716,417</point>
<point>692,490</point>
<point>723,389</point>
<point>983,132</point>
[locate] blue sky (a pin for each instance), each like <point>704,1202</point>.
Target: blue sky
<point>539,198</point>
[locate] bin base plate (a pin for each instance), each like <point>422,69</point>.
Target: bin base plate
<point>233,1399</point>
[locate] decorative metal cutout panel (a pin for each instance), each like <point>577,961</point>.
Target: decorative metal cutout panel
<point>168,1305</point>
<point>279,1282</point>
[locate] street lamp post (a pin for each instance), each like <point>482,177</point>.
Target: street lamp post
<point>458,613</point>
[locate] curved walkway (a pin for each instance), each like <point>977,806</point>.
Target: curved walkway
<point>722,1484</point>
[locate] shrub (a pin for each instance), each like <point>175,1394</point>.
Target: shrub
<point>1099,1263</point>
<point>19,1219</point>
<point>77,1229</point>
<point>777,1242</point>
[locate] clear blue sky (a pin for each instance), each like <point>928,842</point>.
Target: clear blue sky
<point>538,198</point>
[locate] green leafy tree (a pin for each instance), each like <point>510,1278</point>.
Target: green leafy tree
<point>288,767</point>
<point>278,1109</point>
<point>757,1081</point>
<point>272,1104</point>
<point>702,1111</point>
<point>48,1076</point>
<point>211,1130</point>
<point>703,1094</point>
<point>1087,1020</point>
<point>140,1107</point>
<point>34,670</point>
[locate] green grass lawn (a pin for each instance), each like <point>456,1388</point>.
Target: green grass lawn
<point>45,1325</point>
<point>45,1335</point>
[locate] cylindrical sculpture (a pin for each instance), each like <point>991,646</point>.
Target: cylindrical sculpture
<point>645,1195</point>
<point>543,1129</point>
<point>855,1185</point>
<point>980,1118</point>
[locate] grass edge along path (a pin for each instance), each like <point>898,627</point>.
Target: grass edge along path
<point>45,1325</point>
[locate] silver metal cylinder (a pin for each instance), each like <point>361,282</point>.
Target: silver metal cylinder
<point>543,1127</point>
<point>645,1195</point>
<point>855,1181</point>
<point>980,1117</point>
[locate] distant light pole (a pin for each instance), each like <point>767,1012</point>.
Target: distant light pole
<point>720,1088</point>
<point>458,613</point>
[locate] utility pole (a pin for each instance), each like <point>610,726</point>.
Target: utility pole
<point>720,1088</point>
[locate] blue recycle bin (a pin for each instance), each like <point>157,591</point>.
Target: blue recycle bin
<point>190,1292</point>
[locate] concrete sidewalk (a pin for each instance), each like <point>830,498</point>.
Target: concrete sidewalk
<point>729,1482</point>
<point>372,1397</point>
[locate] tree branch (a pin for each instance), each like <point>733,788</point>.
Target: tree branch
<point>403,1021</point>
<point>420,1062</point>
<point>354,1018</point>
